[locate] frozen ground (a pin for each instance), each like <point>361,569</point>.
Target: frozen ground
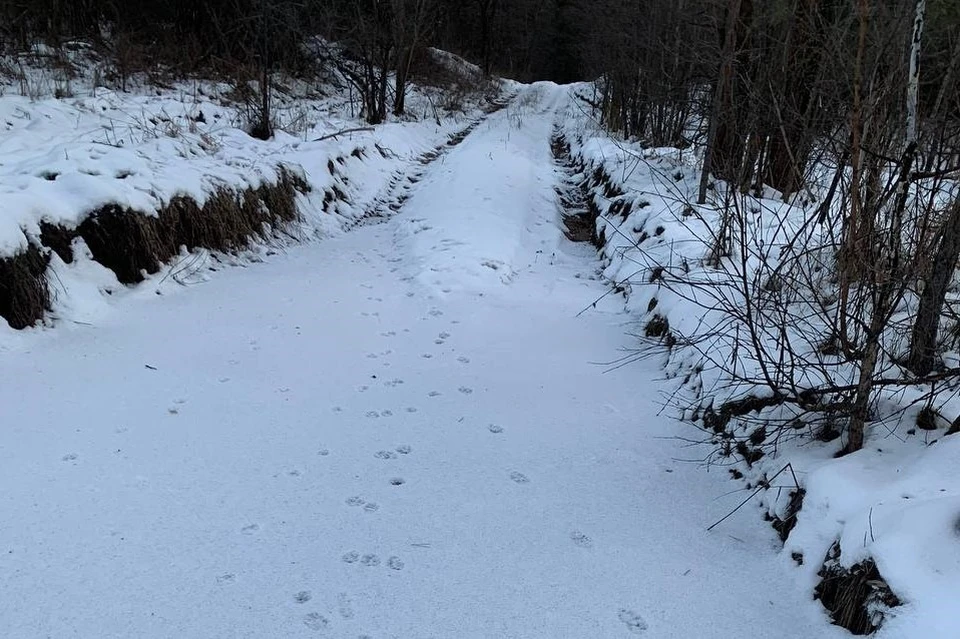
<point>400,432</point>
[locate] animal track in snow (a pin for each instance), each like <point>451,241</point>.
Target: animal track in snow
<point>371,507</point>
<point>372,414</point>
<point>411,409</point>
<point>370,560</point>
<point>427,356</point>
<point>444,335</point>
<point>404,449</point>
<point>580,539</point>
<point>433,394</point>
<point>385,454</point>
<point>250,529</point>
<point>463,360</point>
<point>495,429</point>
<point>227,578</point>
<point>302,597</point>
<point>315,621</point>
<point>386,413</point>
<point>519,478</point>
<point>466,390</point>
<point>345,606</point>
<point>350,557</point>
<point>395,563</point>
<point>634,622</point>
<point>397,481</point>
<point>355,501</point>
<point>69,457</point>
<point>323,452</point>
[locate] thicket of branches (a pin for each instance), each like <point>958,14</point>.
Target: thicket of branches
<point>849,110</point>
<point>379,43</point>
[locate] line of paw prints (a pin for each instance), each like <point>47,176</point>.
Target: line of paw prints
<point>371,560</point>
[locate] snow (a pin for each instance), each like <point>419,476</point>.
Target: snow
<point>900,505</point>
<point>368,436</point>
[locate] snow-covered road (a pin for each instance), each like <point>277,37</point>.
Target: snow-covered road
<point>401,432</point>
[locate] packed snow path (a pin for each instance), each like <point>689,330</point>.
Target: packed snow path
<point>401,432</point>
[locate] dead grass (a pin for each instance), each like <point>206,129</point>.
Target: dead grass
<point>24,295</point>
<point>132,243</point>
<point>856,596</point>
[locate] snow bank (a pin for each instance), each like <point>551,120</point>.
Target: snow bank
<point>65,159</point>
<point>896,502</point>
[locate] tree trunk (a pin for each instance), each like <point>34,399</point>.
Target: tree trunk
<point>927,324</point>
<point>718,127</point>
<point>400,84</point>
<point>861,404</point>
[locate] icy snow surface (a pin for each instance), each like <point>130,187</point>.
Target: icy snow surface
<point>399,432</point>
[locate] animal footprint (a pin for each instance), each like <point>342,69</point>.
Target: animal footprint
<point>302,597</point>
<point>519,478</point>
<point>315,621</point>
<point>395,563</point>
<point>345,606</point>
<point>580,539</point>
<point>386,413</point>
<point>634,622</point>
<point>411,409</point>
<point>385,454</point>
<point>466,390</point>
<point>404,449</point>
<point>433,394</point>
<point>355,501</point>
<point>227,578</point>
<point>69,457</point>
<point>427,356</point>
<point>370,560</point>
<point>323,452</point>
<point>251,529</point>
<point>351,557</point>
<point>397,481</point>
<point>495,429</point>
<point>463,360</point>
<point>372,414</point>
<point>371,507</point>
<point>444,335</point>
